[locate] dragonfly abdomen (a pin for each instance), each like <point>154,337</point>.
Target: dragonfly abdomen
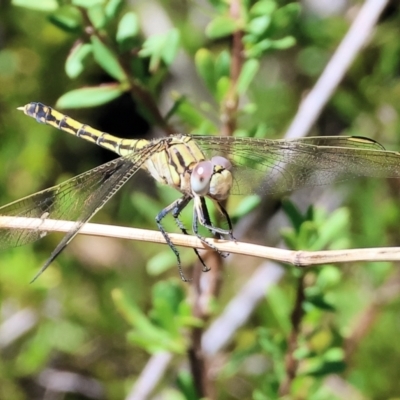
<point>47,115</point>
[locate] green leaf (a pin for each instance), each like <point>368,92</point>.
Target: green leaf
<point>87,3</point>
<point>130,311</point>
<point>247,205</point>
<point>280,306</point>
<point>161,262</point>
<point>284,16</point>
<point>221,26</point>
<point>97,16</point>
<point>161,47</point>
<point>259,48</point>
<point>112,8</point>
<point>186,386</point>
<point>90,96</point>
<point>334,227</point>
<point>76,59</point>
<point>320,368</point>
<point>128,27</point>
<point>223,64</point>
<point>67,18</point>
<point>263,7</point>
<point>107,60</point>
<point>171,47</point>
<point>284,43</point>
<point>205,68</point>
<point>223,86</point>
<point>328,277</point>
<point>316,299</point>
<point>249,71</point>
<point>293,213</point>
<point>42,5</point>
<point>189,113</point>
<point>257,26</point>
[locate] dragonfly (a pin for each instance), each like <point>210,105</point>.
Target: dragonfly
<point>199,167</point>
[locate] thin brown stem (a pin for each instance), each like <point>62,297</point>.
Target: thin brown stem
<point>291,363</point>
<point>231,102</point>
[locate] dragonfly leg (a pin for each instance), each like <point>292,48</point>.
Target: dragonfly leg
<point>204,218</point>
<point>200,213</point>
<point>223,211</point>
<point>175,213</point>
<point>179,204</point>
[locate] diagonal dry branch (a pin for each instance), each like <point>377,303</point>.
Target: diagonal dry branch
<point>297,258</point>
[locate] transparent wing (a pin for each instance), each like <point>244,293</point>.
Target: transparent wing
<point>77,199</point>
<point>280,166</point>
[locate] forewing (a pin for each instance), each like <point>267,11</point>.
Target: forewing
<point>76,199</point>
<point>280,166</point>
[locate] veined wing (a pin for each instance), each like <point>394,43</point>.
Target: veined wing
<point>280,166</point>
<point>76,199</point>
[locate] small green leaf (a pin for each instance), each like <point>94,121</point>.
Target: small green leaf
<point>205,68</point>
<point>251,108</point>
<point>223,86</point>
<point>328,277</point>
<point>259,48</point>
<point>206,127</point>
<point>257,26</point>
<point>112,8</point>
<point>161,47</point>
<point>246,205</point>
<point>332,228</point>
<point>284,43</point>
<point>161,262</point>
<point>186,386</point>
<point>76,59</point>
<point>130,311</point>
<point>90,96</point>
<point>221,26</point>
<point>263,7</point>
<point>97,16</point>
<point>293,213</point>
<point>42,5</point>
<point>128,27</point>
<point>284,16</point>
<point>223,64</point>
<point>87,3</point>
<point>171,46</point>
<point>107,60</point>
<point>317,300</point>
<point>321,368</point>
<point>279,303</point>
<point>249,71</point>
<point>189,114</point>
<point>334,354</point>
<point>67,18</point>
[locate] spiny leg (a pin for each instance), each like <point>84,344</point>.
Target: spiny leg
<point>205,220</point>
<point>201,209</point>
<point>175,213</point>
<point>222,210</point>
<point>177,204</point>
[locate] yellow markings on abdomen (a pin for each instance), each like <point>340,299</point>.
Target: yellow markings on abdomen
<point>49,116</point>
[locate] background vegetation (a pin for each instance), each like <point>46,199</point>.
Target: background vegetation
<point>111,318</point>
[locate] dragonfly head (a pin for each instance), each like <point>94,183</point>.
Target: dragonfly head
<point>212,178</point>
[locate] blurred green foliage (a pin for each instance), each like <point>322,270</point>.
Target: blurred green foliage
<point>105,304</point>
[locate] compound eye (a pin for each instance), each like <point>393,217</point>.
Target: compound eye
<point>201,177</point>
<point>222,161</point>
